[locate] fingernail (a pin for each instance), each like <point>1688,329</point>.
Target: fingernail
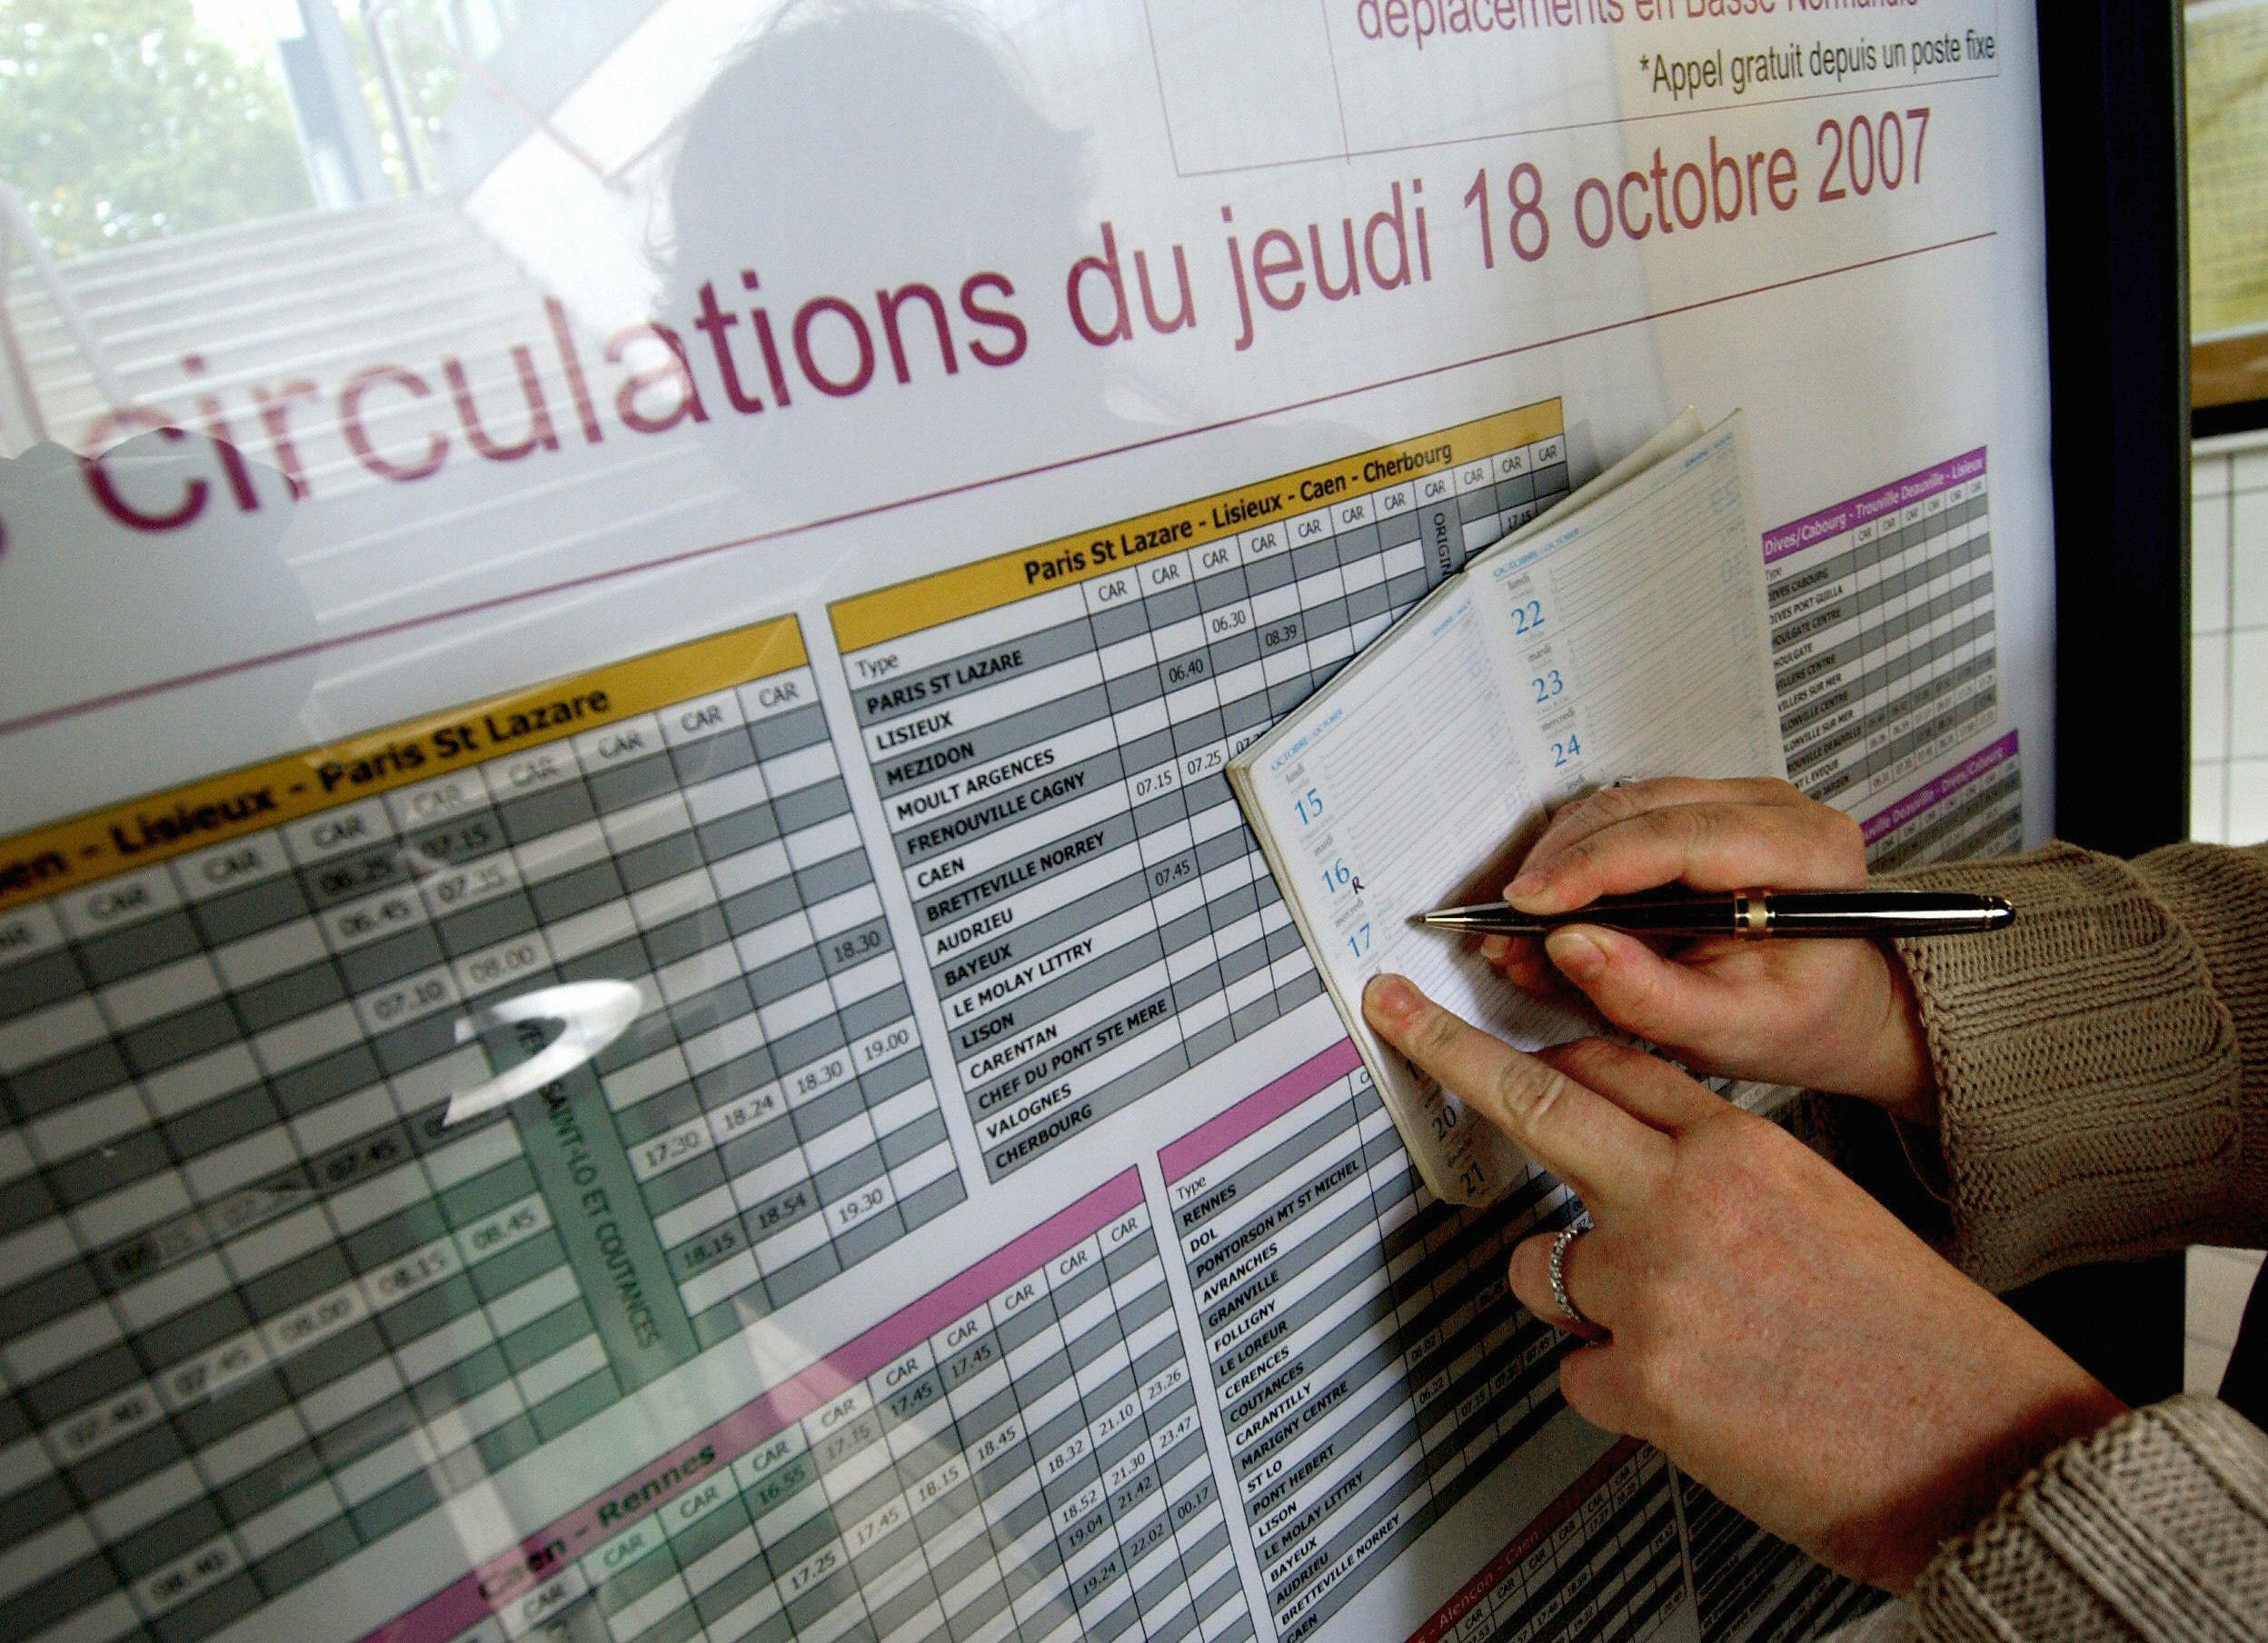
<point>1495,948</point>
<point>1577,953</point>
<point>1389,1001</point>
<point>1530,882</point>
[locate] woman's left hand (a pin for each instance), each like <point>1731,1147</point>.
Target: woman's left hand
<point>1755,1314</point>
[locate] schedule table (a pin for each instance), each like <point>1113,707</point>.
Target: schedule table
<point>1369,1367</point>
<point>264,1302</point>
<point>1884,637</point>
<point>1974,809</point>
<point>1015,1455</point>
<point>1048,731</point>
<point>1603,1560</point>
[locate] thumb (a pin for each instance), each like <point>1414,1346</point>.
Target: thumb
<point>1635,988</point>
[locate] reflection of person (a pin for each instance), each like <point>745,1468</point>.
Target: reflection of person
<point>2097,1081</point>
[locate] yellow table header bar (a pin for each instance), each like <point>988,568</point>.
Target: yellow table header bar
<point>928,601</point>
<point>67,855</point>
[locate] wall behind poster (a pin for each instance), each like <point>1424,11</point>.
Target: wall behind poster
<point>974,1219</point>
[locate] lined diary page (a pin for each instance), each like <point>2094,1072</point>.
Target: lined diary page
<point>1400,795</point>
<point>1636,631</point>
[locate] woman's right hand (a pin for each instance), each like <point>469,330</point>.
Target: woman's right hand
<point>1832,1015</point>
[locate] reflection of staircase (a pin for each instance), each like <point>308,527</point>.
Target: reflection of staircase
<point>314,297</point>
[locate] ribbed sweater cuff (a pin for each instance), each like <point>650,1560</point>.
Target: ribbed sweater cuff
<point>2087,1074</point>
<point>2156,1526</point>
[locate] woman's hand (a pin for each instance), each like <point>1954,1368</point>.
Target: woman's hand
<point>1827,1015</point>
<point>1757,1317</point>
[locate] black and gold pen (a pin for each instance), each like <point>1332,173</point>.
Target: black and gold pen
<point>1756,913</point>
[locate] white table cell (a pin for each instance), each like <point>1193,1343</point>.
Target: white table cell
<point>808,766</point>
<point>606,925</point>
<point>704,716</point>
<point>349,1395</point>
<point>562,1368</point>
<point>662,817</point>
<point>538,1298</point>
<point>45,1034</point>
<point>568,850</point>
<point>725,795</point>
<point>459,792</point>
<point>532,771</point>
<point>672,898</point>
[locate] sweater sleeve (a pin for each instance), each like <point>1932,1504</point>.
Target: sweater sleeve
<point>2154,1527</point>
<point>2103,1066</point>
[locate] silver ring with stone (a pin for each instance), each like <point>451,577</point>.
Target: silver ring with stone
<point>1558,1267</point>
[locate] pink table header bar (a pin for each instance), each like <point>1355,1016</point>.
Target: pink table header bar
<point>458,1606</point>
<point>1256,1111</point>
<point>1936,792</point>
<point>1830,523</point>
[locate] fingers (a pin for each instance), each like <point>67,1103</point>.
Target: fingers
<point>1608,805</point>
<point>1646,1087</point>
<point>1706,846</point>
<point>1606,1155</point>
<point>1667,1001</point>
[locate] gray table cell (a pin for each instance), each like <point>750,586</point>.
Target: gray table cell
<point>216,1123</point>
<point>568,894</point>
<point>784,978</point>
<point>846,1175</point>
<point>775,1137</point>
<point>724,837</point>
<point>180,1037</point>
<point>712,756</point>
<point>565,1411</point>
<point>710,1008</point>
<point>149,1549</point>
<point>909,1141</point>
<point>767,904</point>
<point>534,815</point>
<point>102,1170</point>
<point>623,785</point>
<point>289,996</point>
<point>125,1463</point>
<point>681,938</point>
<point>148,945</point>
<point>500,1275</point>
<point>383,1513</point>
<point>788,732</point>
<point>51,1599</point>
<point>207,1612</point>
<point>665,858</point>
<point>823,881</point>
<point>901,1072</point>
<point>807,807</point>
<point>246,1401</point>
<point>39,981</point>
<point>366,969</point>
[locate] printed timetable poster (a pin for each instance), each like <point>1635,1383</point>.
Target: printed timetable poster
<point>632,1005</point>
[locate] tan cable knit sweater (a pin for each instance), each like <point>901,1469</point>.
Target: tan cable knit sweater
<point>2102,1078</point>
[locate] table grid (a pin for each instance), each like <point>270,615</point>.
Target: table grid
<point>264,1303</point>
<point>1016,1454</point>
<point>1048,733</point>
<point>1749,1585</point>
<point>1603,1560</point>
<point>1327,1281</point>
<point>1974,809</point>
<point>1884,633</point>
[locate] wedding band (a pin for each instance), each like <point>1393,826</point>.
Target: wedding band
<point>1558,1267</point>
